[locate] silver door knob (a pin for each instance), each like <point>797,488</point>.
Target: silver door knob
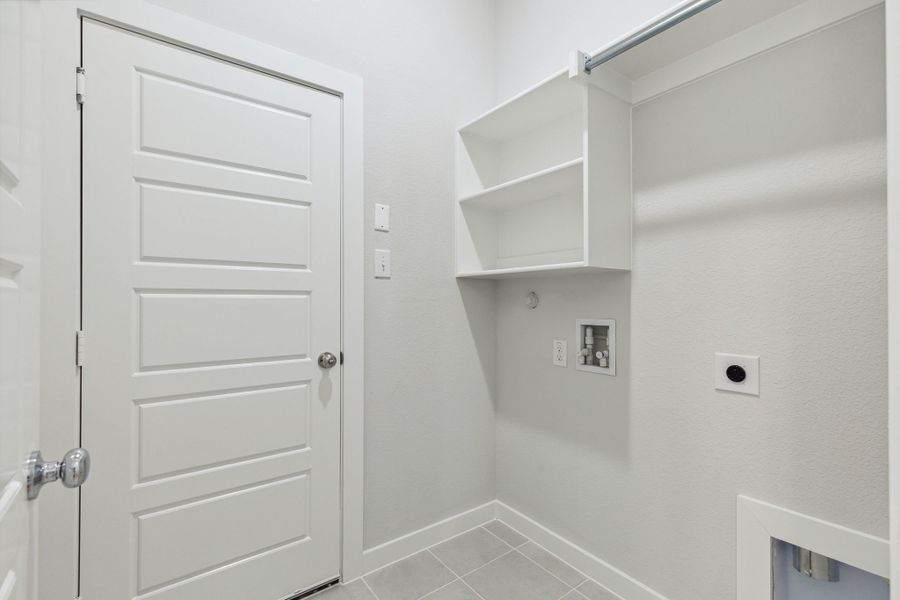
<point>72,471</point>
<point>327,360</point>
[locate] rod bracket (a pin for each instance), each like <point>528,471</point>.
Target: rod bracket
<point>578,61</point>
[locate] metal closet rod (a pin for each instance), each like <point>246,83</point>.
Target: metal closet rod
<point>653,29</point>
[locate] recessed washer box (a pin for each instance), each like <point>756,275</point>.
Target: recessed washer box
<point>596,346</point>
<point>737,373</point>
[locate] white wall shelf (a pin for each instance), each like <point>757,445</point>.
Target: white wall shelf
<point>544,184</point>
<point>544,179</point>
<point>549,269</point>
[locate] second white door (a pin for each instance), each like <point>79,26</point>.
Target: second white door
<point>211,283</point>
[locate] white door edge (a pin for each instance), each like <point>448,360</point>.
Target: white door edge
<point>58,539</point>
<point>892,38</point>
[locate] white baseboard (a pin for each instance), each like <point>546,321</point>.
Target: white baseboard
<point>758,523</point>
<point>409,544</point>
<point>599,570</point>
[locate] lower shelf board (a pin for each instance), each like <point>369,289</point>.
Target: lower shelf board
<point>537,271</point>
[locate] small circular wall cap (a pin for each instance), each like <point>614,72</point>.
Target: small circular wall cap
<point>532,300</point>
<point>736,373</point>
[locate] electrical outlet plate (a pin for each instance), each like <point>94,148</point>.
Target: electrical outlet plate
<point>750,364</point>
<point>560,353</point>
<point>383,264</point>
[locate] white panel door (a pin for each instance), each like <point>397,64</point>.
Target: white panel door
<point>19,290</point>
<point>211,283</point>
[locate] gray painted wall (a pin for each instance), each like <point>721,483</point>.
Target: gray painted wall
<point>759,229</point>
<point>429,342</point>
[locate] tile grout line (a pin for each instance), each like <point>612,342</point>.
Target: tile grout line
<point>411,554</point>
<point>369,587</point>
<point>512,549</point>
<point>467,573</point>
<point>551,574</point>
<point>530,541</point>
<point>449,583</point>
<point>504,541</point>
<point>583,583</point>
<point>474,591</point>
<point>428,550</point>
<point>460,579</point>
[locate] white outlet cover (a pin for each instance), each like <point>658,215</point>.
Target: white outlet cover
<point>382,264</point>
<point>382,217</point>
<point>750,364</point>
<point>560,353</point>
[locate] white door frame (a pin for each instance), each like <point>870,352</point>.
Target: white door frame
<point>892,49</point>
<point>60,315</point>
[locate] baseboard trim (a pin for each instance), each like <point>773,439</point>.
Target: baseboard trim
<point>394,550</point>
<point>599,570</point>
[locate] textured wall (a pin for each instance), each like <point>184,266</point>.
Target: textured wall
<point>759,229</point>
<point>429,342</point>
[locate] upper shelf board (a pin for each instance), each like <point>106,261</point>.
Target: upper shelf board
<point>544,103</point>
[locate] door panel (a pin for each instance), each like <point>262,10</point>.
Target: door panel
<point>185,119</point>
<point>200,227</point>
<point>19,290</point>
<point>211,281</point>
<point>173,437</point>
<point>208,535</point>
<point>186,329</point>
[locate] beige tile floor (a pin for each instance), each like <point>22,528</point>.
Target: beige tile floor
<point>492,562</point>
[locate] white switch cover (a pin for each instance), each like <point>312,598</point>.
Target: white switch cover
<point>560,353</point>
<point>382,217</point>
<point>748,366</point>
<point>383,264</point>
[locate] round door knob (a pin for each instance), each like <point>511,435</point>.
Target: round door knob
<point>327,360</point>
<point>75,468</point>
<point>72,471</point>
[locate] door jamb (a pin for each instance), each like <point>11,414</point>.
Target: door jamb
<point>60,410</point>
<point>892,51</point>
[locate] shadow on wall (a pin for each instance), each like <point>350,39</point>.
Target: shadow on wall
<point>563,406</point>
<point>479,301</point>
<point>740,127</point>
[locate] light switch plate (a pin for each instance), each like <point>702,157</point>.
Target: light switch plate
<point>560,353</point>
<point>750,365</point>
<point>383,264</point>
<point>382,217</point>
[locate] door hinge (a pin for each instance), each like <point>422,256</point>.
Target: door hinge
<point>79,85</point>
<point>79,348</point>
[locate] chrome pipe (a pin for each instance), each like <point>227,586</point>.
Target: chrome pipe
<point>653,29</point>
